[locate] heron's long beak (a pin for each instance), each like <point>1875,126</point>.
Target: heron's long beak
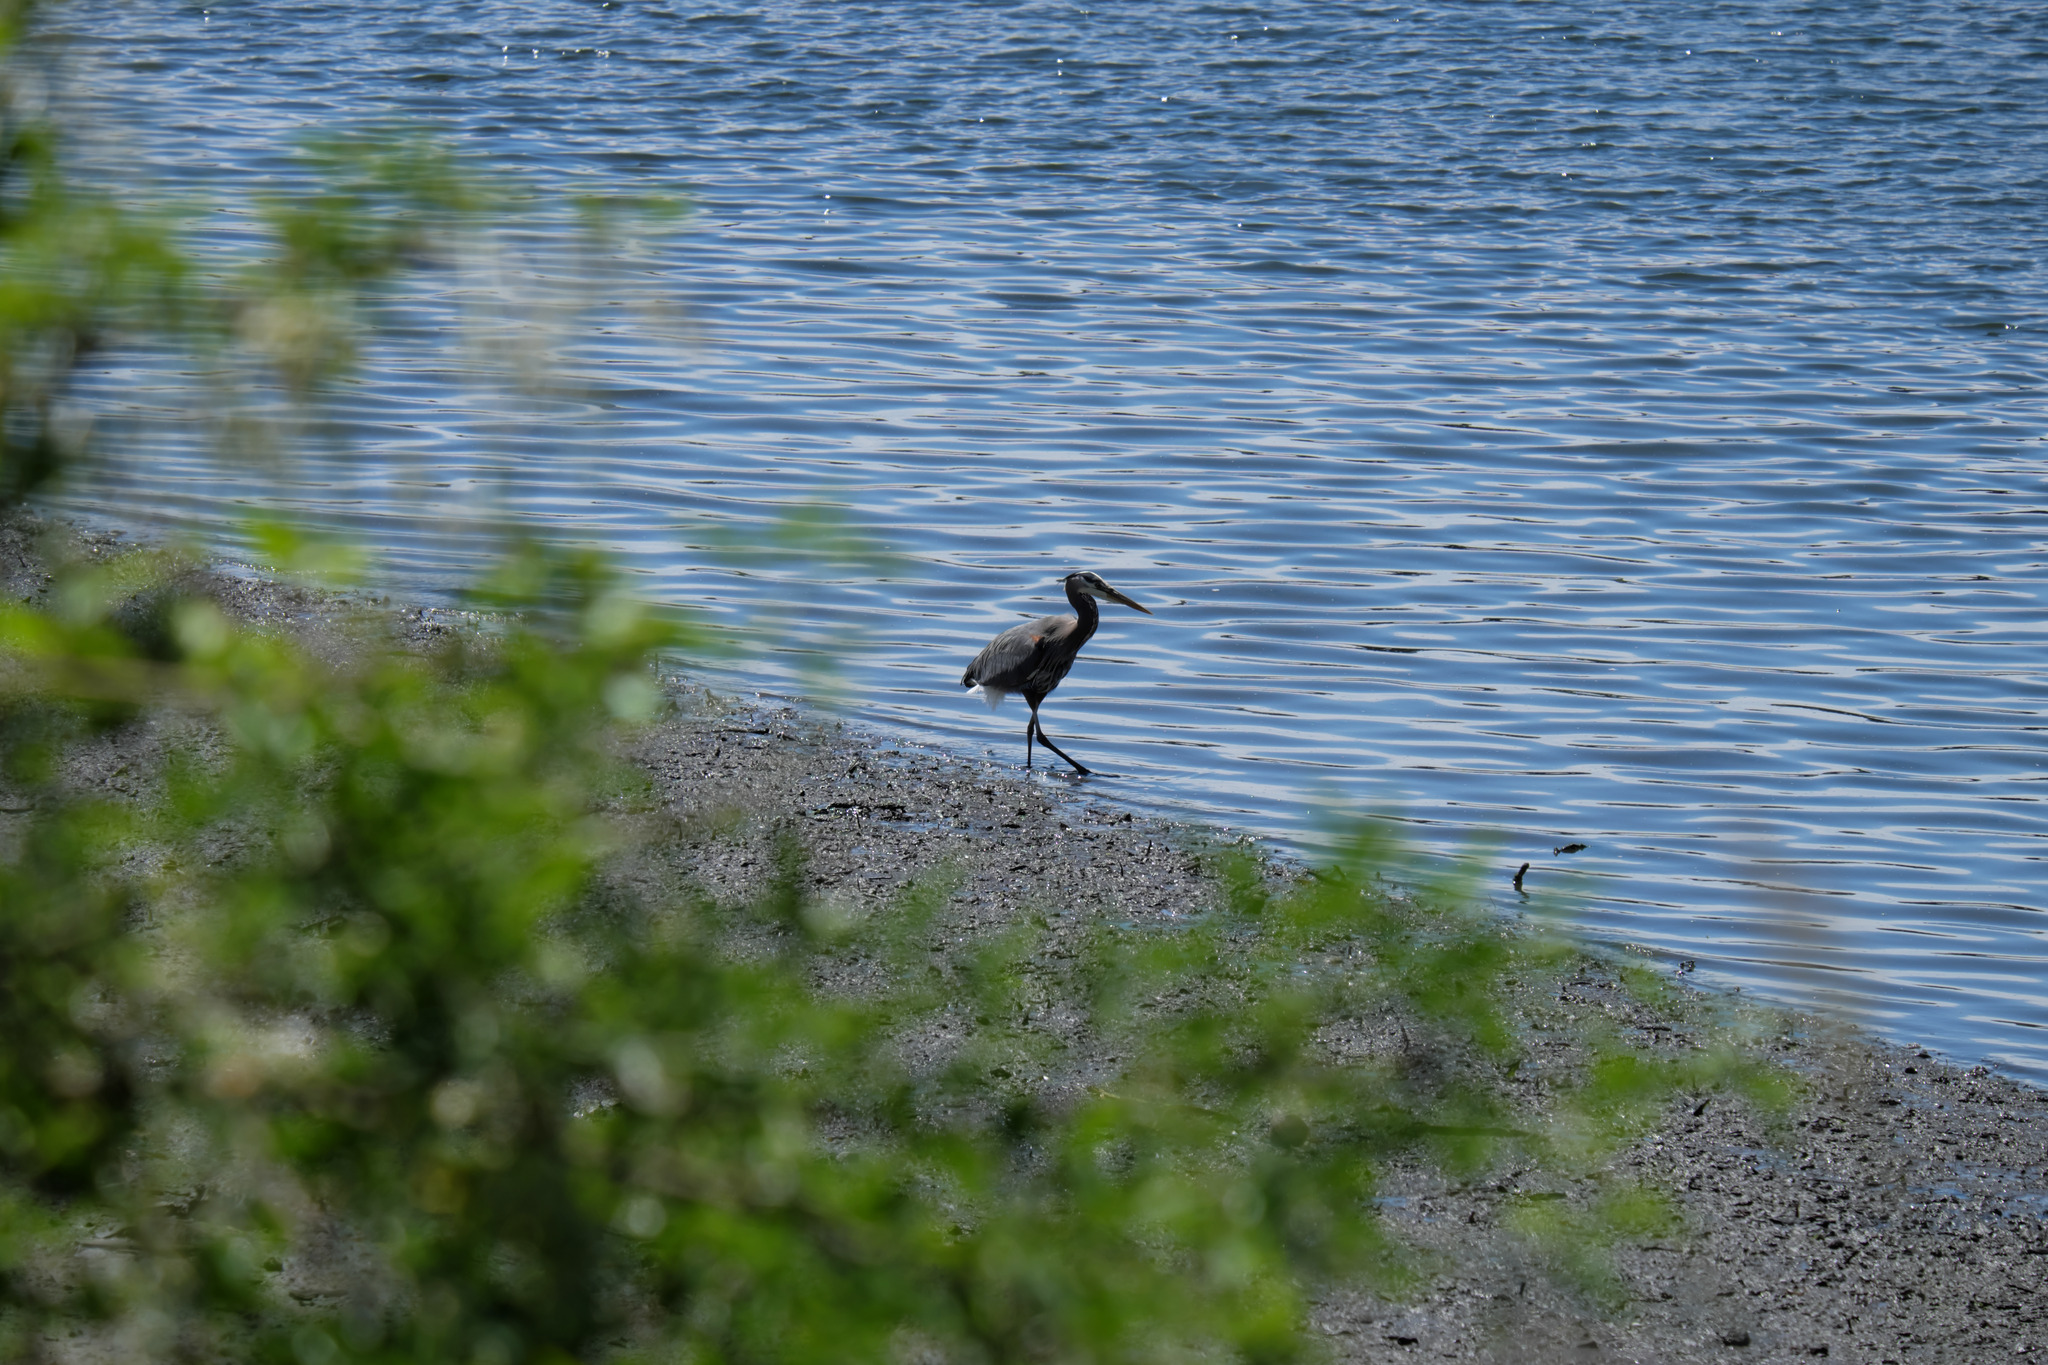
<point>1111,594</point>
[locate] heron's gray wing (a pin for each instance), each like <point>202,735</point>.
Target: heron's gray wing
<point>1012,658</point>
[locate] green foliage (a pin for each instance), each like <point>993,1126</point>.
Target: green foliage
<point>1578,1241</point>
<point>341,1040</point>
<point>88,268</point>
<point>380,203</point>
<point>352,1012</point>
<point>74,267</point>
<point>66,1104</point>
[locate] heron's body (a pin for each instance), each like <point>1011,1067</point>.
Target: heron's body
<point>1034,657</point>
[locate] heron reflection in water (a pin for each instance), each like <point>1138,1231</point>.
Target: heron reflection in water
<point>1033,657</point>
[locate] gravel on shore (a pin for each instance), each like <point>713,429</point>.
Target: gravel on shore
<point>1899,1216</point>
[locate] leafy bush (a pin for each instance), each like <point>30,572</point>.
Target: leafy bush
<point>336,1040</point>
<point>354,1000</point>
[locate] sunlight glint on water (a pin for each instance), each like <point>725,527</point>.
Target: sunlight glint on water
<point>1610,424</point>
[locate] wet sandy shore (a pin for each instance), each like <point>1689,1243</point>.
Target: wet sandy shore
<point>1898,1216</point>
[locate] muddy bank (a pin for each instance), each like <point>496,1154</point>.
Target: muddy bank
<point>1897,1215</point>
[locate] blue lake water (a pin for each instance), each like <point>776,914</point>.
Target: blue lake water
<point>1617,423</point>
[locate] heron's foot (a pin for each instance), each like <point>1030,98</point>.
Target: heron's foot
<point>1068,758</point>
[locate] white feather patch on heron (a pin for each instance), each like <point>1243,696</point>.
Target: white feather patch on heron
<point>992,695</point>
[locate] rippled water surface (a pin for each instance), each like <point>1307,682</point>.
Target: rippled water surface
<point>1607,423</point>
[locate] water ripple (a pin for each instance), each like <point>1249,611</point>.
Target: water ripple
<point>1617,424</point>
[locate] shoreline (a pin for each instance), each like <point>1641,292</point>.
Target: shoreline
<point>1897,1215</point>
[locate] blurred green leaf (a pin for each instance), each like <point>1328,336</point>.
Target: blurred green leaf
<point>360,976</point>
<point>340,1039</point>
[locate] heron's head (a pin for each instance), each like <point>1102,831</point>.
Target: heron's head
<point>1094,586</point>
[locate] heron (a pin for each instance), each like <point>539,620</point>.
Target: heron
<point>1033,657</point>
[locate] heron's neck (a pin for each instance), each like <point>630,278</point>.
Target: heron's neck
<point>1086,613</point>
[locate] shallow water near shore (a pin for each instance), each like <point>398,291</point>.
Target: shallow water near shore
<point>1618,425</point>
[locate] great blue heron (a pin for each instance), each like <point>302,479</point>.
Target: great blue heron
<point>1033,657</point>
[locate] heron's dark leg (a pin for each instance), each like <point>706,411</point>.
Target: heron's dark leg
<point>1056,748</point>
<point>1030,728</point>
